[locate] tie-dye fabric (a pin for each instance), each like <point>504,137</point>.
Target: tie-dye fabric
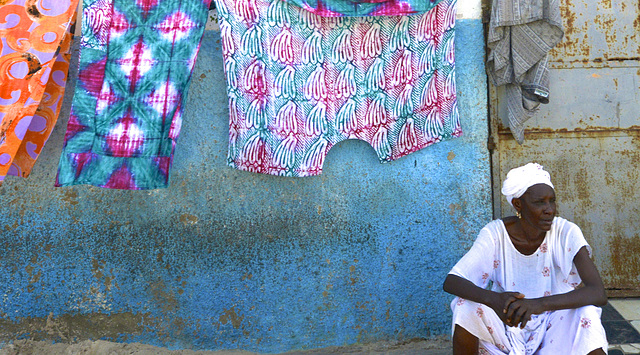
<point>136,61</point>
<point>299,83</point>
<point>34,62</point>
<point>337,8</point>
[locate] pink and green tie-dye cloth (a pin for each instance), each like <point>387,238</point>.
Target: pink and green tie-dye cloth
<point>136,60</point>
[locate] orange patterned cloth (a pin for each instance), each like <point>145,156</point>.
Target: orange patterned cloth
<point>36,38</point>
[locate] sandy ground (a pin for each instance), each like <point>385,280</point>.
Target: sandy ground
<point>439,346</point>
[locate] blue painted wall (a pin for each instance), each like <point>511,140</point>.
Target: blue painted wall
<point>228,259</point>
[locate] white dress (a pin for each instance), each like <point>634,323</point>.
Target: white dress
<point>494,262</point>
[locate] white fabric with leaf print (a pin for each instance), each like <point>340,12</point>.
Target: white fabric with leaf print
<point>494,262</point>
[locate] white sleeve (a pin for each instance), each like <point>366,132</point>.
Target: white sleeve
<point>571,241</point>
<point>477,264</point>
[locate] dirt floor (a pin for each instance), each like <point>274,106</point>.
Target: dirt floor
<point>440,346</point>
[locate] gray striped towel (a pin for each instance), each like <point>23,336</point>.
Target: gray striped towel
<point>521,34</point>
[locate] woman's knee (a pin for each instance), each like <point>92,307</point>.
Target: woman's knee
<point>464,343</point>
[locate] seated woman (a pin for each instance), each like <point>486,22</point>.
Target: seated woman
<point>528,285</point>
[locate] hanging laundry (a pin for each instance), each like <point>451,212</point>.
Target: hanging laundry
<point>521,34</point>
<point>298,83</point>
<point>136,61</point>
<point>34,62</point>
<point>338,8</point>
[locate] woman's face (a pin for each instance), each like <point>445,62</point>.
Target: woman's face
<point>538,206</point>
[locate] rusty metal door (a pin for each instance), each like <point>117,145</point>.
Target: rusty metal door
<point>588,136</point>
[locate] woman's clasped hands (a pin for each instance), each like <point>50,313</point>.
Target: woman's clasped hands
<point>514,309</point>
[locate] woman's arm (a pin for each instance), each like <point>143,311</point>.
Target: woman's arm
<point>592,293</point>
<point>464,288</point>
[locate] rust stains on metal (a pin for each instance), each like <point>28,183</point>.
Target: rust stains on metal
<point>595,147</point>
<point>568,16</point>
<point>582,186</point>
<point>601,29</point>
<point>636,22</point>
<point>605,23</point>
<point>588,131</point>
<point>624,268</point>
<point>621,59</point>
<point>572,44</point>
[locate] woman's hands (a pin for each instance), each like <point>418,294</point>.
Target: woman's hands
<point>507,305</point>
<point>515,310</point>
<point>501,302</point>
<point>512,308</point>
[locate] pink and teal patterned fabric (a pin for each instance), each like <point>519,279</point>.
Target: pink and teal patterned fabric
<point>337,8</point>
<point>298,83</point>
<point>136,61</point>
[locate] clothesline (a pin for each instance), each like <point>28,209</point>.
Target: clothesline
<point>301,77</point>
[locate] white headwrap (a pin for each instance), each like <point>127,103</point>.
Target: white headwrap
<point>520,179</point>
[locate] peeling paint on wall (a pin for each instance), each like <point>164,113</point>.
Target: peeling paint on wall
<point>227,259</point>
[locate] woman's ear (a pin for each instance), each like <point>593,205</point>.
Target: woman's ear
<point>517,204</point>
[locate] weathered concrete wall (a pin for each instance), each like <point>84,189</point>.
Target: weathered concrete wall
<point>230,259</point>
